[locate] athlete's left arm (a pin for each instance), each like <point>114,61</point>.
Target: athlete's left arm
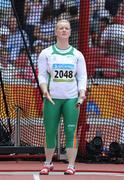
<point>81,75</point>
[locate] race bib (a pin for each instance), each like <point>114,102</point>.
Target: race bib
<point>63,72</point>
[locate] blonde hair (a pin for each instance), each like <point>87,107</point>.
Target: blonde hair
<point>62,20</point>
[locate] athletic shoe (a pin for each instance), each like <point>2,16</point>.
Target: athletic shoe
<point>46,169</point>
<point>70,171</point>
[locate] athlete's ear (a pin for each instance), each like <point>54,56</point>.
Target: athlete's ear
<point>55,33</point>
<point>70,33</point>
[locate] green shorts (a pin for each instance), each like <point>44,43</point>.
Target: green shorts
<point>52,114</point>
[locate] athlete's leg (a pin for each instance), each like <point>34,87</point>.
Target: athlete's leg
<point>71,115</point>
<point>51,115</point>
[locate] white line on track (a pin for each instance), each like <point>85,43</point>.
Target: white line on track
<point>90,173</point>
<point>36,175</point>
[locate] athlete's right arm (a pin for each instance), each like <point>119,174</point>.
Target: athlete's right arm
<point>43,75</point>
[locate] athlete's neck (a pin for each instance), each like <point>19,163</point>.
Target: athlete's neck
<point>62,45</point>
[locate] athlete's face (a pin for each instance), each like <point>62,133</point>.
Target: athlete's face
<point>63,30</point>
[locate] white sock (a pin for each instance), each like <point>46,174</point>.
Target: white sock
<point>47,162</point>
<point>71,166</point>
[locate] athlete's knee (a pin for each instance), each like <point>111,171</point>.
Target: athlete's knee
<point>70,132</point>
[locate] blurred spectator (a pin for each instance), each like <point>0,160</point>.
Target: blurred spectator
<point>113,6</point>
<point>5,10</point>
<point>96,8</point>
<point>99,19</point>
<point>57,7</point>
<point>112,39</point>
<point>98,27</point>
<point>116,9</point>
<point>37,48</point>
<point>32,13</point>
<point>45,31</point>
<point>67,9</point>
<point>74,22</point>
<point>4,54</point>
<point>15,41</point>
<point>4,34</point>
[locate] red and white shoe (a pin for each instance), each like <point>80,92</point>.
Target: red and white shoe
<point>70,171</point>
<point>46,169</point>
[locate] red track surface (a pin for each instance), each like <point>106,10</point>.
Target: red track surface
<point>59,166</point>
<point>17,170</point>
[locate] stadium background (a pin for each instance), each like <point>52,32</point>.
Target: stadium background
<point>28,27</point>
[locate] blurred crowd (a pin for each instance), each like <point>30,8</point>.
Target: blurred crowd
<point>39,19</point>
<point>107,28</point>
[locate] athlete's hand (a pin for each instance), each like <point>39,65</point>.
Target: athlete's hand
<point>81,98</point>
<point>80,101</point>
<point>47,95</point>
